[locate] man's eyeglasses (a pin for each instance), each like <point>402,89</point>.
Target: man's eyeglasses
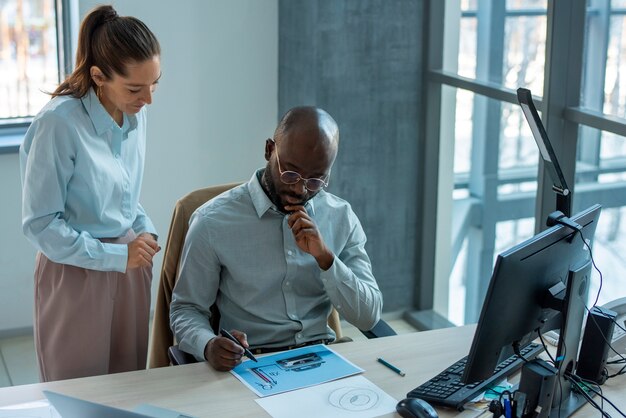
<point>291,177</point>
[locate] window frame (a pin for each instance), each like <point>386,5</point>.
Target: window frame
<point>12,130</point>
<point>562,115</point>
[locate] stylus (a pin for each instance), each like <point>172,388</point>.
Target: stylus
<point>247,352</point>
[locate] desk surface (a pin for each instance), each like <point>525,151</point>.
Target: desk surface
<point>198,390</point>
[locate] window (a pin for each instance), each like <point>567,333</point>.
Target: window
<point>30,62</point>
<point>492,198</point>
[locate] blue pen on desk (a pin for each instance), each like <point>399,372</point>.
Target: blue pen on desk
<point>507,408</point>
<point>391,366</point>
<point>247,352</point>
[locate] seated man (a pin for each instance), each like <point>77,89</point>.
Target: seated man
<point>275,254</point>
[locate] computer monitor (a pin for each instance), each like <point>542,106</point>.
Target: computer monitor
<point>538,285</point>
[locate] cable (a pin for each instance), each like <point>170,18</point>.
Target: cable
<point>621,372</point>
<point>623,369</point>
<point>568,375</point>
<point>594,265</point>
<point>558,376</point>
<point>587,397</point>
<point>591,385</point>
<point>618,325</point>
<point>622,359</point>
<point>598,391</point>
<point>546,348</point>
<point>518,352</point>
<point>594,387</point>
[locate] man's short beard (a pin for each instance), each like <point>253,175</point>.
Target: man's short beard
<point>270,190</point>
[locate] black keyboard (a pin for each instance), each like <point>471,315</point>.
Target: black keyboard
<point>446,389</point>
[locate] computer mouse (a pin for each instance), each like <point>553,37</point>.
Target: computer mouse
<point>416,408</point>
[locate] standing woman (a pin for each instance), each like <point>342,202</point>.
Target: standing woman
<point>82,166</point>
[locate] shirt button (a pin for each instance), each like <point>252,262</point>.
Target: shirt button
<point>289,252</point>
<point>299,336</point>
<point>117,156</point>
<point>287,283</point>
<point>293,316</point>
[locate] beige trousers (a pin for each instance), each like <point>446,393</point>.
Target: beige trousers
<point>90,322</point>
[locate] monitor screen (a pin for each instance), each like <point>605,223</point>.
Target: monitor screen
<point>516,305</point>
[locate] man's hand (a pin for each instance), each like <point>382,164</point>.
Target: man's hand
<point>223,354</point>
<point>141,250</point>
<point>308,237</point>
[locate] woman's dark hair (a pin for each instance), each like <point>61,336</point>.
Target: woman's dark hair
<point>109,42</point>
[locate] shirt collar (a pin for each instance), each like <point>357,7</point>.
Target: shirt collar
<point>101,119</point>
<point>262,203</point>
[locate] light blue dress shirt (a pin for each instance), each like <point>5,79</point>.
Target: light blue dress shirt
<point>240,252</point>
<point>81,178</point>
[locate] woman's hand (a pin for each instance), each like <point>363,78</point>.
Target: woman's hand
<point>141,250</point>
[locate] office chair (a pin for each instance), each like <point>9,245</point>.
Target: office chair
<point>381,329</point>
<point>162,337</point>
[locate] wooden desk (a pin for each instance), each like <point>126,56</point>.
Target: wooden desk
<point>198,390</point>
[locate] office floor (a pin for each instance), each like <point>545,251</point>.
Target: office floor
<point>18,362</point>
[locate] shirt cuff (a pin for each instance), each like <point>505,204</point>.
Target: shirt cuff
<point>117,257</point>
<point>201,339</point>
<point>329,277</point>
<point>145,225</point>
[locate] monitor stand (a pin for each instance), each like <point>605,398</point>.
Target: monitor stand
<point>567,401</point>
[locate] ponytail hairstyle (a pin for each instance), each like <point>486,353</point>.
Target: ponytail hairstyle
<point>110,42</point>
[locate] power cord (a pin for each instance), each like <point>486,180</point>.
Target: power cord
<point>594,266</point>
<point>545,348</point>
<point>564,221</point>
<point>596,389</point>
<point>623,369</point>
<point>591,385</point>
<point>621,372</point>
<point>589,399</point>
<point>518,352</point>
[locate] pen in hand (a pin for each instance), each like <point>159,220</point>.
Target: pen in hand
<point>391,366</point>
<point>247,352</point>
